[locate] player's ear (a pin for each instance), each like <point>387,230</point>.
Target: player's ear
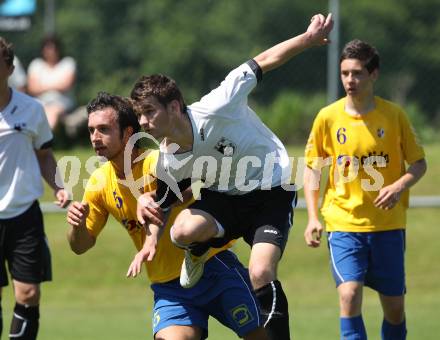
<point>375,74</point>
<point>11,69</point>
<point>128,132</point>
<point>174,106</point>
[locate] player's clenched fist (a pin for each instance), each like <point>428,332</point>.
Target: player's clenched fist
<point>319,29</point>
<point>77,214</point>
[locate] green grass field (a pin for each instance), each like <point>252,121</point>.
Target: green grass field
<point>90,298</point>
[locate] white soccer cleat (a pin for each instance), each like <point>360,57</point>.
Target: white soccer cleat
<point>192,269</point>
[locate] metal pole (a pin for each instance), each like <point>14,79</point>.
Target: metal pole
<point>333,55</point>
<point>49,16</point>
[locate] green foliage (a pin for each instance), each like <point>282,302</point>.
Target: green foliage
<point>426,132</point>
<point>405,33</point>
<point>291,115</point>
<point>91,290</point>
<point>90,298</point>
<point>198,42</point>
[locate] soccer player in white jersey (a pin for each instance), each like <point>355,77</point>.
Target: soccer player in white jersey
<point>180,314</point>
<point>367,140</point>
<point>243,165</point>
<point>25,156</point>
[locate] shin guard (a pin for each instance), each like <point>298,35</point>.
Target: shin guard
<point>25,322</point>
<point>274,310</point>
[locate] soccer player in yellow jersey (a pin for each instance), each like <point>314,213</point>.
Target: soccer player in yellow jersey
<point>224,292</point>
<point>368,143</point>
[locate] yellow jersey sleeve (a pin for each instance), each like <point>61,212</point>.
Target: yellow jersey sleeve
<point>315,154</point>
<point>98,214</point>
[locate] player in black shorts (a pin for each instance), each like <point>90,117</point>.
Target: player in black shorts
<point>25,148</point>
<point>244,166</point>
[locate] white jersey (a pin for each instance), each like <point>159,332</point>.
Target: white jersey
<point>23,128</point>
<point>233,151</point>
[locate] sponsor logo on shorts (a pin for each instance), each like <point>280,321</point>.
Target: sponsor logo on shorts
<point>241,315</point>
<point>271,231</point>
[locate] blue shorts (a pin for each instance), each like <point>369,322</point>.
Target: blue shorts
<point>373,258</point>
<point>224,292</point>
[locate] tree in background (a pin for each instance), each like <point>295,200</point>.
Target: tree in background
<point>114,42</point>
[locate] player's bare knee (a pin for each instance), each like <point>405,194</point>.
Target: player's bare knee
<point>395,317</point>
<point>180,235</point>
<point>183,230</point>
<point>27,294</point>
<point>192,227</point>
<point>347,297</point>
<point>350,300</point>
<point>261,274</point>
<point>395,313</point>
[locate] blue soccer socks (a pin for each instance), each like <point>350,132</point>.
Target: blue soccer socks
<point>353,328</point>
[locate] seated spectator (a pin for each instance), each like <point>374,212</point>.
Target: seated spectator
<point>51,79</point>
<point>18,80</point>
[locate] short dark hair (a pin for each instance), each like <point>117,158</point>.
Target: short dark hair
<point>159,86</point>
<point>122,106</point>
<point>7,51</point>
<point>53,40</point>
<point>358,49</point>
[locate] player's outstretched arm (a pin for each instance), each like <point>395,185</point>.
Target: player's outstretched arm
<point>78,236</point>
<point>316,35</point>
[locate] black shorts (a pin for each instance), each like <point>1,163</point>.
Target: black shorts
<point>258,216</point>
<point>23,245</point>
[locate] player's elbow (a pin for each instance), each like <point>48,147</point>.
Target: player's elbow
<point>80,247</point>
<point>418,168</point>
<point>78,250</point>
<point>423,166</point>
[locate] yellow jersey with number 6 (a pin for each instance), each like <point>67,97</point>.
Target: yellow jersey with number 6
<point>365,153</point>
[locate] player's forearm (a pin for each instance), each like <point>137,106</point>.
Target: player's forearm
<point>283,52</point>
<point>154,233</point>
<point>79,239</point>
<point>48,168</point>
<point>311,192</point>
<point>415,171</point>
